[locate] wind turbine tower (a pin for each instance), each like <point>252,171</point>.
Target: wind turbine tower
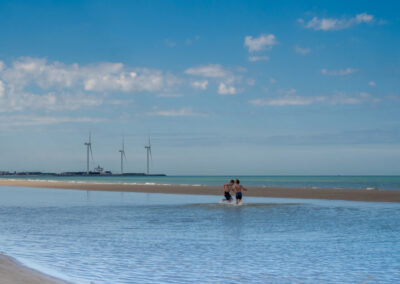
<point>122,151</point>
<point>148,148</point>
<point>88,148</point>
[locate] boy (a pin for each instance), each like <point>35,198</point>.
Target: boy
<point>238,190</point>
<point>227,189</point>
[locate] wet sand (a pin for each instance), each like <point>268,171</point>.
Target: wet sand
<point>305,193</point>
<point>12,272</point>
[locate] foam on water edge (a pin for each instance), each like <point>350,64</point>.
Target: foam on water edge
<point>104,183</point>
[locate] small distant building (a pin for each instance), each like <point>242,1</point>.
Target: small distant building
<point>99,170</point>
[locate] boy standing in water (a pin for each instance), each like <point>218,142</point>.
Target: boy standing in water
<point>227,191</point>
<point>238,190</point>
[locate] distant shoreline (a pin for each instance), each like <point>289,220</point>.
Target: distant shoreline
<point>12,272</point>
<point>76,174</point>
<point>303,193</point>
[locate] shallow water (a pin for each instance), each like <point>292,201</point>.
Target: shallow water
<point>108,237</point>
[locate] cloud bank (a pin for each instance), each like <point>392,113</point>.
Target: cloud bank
<point>295,100</point>
<point>341,72</point>
<point>33,83</point>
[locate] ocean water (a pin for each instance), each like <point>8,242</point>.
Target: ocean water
<point>347,182</point>
<point>109,237</point>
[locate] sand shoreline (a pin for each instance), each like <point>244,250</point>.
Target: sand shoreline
<point>303,193</point>
<point>13,272</point>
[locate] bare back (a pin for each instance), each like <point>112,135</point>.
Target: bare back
<point>239,188</point>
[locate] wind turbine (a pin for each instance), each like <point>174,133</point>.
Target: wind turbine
<point>122,151</point>
<point>88,147</point>
<point>148,148</point>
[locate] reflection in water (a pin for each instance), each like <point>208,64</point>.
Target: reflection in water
<point>88,196</point>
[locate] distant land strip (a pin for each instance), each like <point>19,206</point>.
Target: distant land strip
<point>304,193</point>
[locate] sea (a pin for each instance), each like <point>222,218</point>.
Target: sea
<point>123,237</point>
<point>345,182</point>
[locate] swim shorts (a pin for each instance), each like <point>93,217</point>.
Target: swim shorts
<point>227,196</point>
<point>239,195</point>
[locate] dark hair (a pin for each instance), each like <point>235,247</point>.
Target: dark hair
<point>237,181</point>
<point>232,181</point>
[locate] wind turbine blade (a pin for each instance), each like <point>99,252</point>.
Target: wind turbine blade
<point>91,153</point>
<point>90,136</point>
<point>151,156</point>
<point>125,156</point>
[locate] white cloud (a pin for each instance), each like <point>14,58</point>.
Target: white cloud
<point>336,99</point>
<point>364,18</point>
<point>225,78</point>
<point>334,24</point>
<point>260,43</point>
<point>49,101</point>
<point>101,77</point>
<point>258,58</point>
<point>2,89</point>
<point>285,101</point>
<point>372,83</point>
<point>342,99</point>
<point>34,83</point>
<point>74,102</point>
<point>142,79</point>
<point>323,24</point>
<point>208,71</point>
<point>302,50</point>
<point>272,80</point>
<point>224,89</point>
<point>8,121</point>
<point>1,66</point>
<point>341,72</point>
<point>185,111</point>
<point>120,102</point>
<point>202,85</point>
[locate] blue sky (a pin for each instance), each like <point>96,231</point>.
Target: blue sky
<point>222,87</point>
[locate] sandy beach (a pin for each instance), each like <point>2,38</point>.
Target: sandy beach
<point>305,193</point>
<point>12,272</point>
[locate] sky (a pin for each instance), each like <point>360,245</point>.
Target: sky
<point>220,87</point>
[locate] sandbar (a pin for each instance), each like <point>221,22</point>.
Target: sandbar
<point>303,193</point>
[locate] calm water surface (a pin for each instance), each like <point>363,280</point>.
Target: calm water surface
<point>108,237</point>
